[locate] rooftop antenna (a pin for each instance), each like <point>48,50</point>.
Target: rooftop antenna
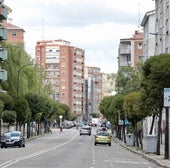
<point>43,29</point>
<point>139,16</point>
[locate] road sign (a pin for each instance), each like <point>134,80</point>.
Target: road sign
<point>166,97</point>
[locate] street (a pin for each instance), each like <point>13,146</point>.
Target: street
<point>70,150</point>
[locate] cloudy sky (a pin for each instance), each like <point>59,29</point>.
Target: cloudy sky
<point>93,25</point>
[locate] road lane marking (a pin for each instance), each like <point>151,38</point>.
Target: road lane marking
<point>13,161</point>
<point>127,162</point>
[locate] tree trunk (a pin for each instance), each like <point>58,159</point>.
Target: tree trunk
<point>159,133</point>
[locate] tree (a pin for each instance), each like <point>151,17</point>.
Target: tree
<point>21,106</point>
<point>9,116</point>
<point>128,80</point>
<point>7,100</point>
<point>23,77</point>
<point>134,113</point>
<point>156,77</point>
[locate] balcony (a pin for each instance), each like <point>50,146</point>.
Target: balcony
<point>3,34</point>
<point>3,12</point>
<point>3,54</point>
<point>3,75</point>
<point>125,51</point>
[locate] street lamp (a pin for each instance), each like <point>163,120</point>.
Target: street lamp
<point>18,75</point>
<point>60,117</point>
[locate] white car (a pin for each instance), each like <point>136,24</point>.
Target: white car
<point>85,130</point>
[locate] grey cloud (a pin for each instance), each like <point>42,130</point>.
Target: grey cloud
<point>79,14</point>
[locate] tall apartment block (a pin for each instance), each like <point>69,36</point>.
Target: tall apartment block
<point>93,82</point>
<point>162,26</point>
<point>148,24</point>
<point>3,36</point>
<point>131,50</point>
<point>64,72</point>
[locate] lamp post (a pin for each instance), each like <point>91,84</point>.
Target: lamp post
<point>60,117</point>
<point>18,75</point>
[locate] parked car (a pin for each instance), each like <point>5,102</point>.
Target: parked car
<point>103,138</point>
<point>14,138</point>
<point>85,130</point>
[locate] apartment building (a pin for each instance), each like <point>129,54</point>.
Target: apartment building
<point>148,24</point>
<point>15,34</point>
<point>131,50</point>
<point>93,83</point>
<point>64,72</point>
<point>162,26</point>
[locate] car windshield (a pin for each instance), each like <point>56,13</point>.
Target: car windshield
<point>85,128</point>
<point>15,134</point>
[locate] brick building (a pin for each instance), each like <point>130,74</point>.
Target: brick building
<point>15,34</point>
<point>131,50</point>
<point>64,72</point>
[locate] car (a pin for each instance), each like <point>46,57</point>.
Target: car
<point>85,130</point>
<point>11,139</point>
<point>103,138</point>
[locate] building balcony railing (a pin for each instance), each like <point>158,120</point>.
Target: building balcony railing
<point>3,54</point>
<point>125,51</point>
<point>3,75</point>
<point>3,12</point>
<point>121,64</point>
<point>3,34</point>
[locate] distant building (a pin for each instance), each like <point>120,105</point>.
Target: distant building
<point>64,72</point>
<point>131,50</point>
<point>15,34</point>
<point>93,82</point>
<point>108,84</point>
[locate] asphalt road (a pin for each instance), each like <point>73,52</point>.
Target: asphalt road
<point>70,150</point>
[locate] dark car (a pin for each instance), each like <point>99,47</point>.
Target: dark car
<point>10,139</point>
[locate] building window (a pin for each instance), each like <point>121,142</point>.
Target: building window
<point>139,45</point>
<point>14,34</point>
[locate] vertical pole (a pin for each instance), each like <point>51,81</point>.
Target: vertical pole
<point>167,134</point>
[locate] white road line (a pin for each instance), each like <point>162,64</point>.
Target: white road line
<point>127,162</point>
<point>13,161</point>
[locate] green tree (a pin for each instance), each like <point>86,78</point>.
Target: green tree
<point>9,116</point>
<point>21,106</point>
<point>7,100</point>
<point>156,77</point>
<point>128,80</point>
<point>134,113</point>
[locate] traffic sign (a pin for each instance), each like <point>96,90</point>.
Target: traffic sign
<point>166,97</point>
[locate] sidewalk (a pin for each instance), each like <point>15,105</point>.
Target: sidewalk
<point>157,159</point>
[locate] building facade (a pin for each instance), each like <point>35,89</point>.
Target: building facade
<point>64,72</point>
<point>15,34</point>
<point>3,36</point>
<point>148,24</point>
<point>162,26</point>
<point>131,50</point>
<point>93,83</point>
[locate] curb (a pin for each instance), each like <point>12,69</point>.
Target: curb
<point>149,158</point>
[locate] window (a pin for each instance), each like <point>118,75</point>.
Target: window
<point>139,45</point>
<point>14,34</point>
